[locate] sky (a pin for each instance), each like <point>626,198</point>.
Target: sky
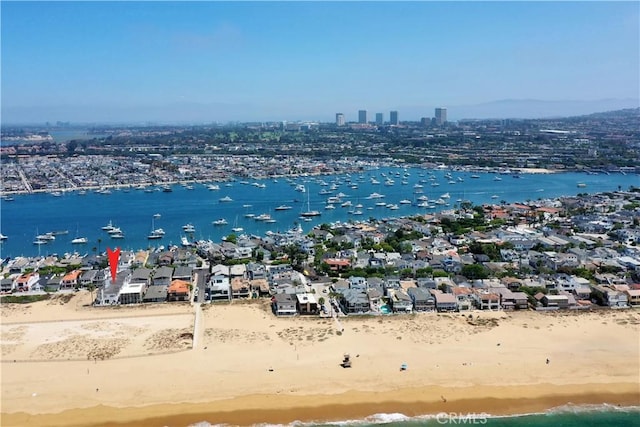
<point>246,61</point>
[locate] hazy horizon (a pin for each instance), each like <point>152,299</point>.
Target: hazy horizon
<point>123,62</point>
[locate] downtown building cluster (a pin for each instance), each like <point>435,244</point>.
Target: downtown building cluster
<point>363,118</point>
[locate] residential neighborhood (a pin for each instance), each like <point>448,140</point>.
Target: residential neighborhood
<point>576,253</point>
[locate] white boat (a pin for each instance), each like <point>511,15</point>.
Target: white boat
<point>117,235</point>
<point>262,217</point>
<point>309,213</point>
<point>189,228</point>
<point>115,230</point>
<point>375,196</point>
<point>220,221</point>
<point>226,199</point>
<point>329,206</point>
<point>405,202</point>
<point>157,215</point>
<point>237,229</point>
<point>283,208</point>
<point>79,241</point>
<point>108,227</point>
<point>3,237</point>
<point>346,204</point>
<point>213,187</point>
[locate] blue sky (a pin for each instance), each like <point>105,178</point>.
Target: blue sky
<point>207,61</point>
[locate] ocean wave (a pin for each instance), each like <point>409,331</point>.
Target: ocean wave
<point>431,419</point>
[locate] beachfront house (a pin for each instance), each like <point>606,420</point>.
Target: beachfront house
<point>108,293</point>
<point>444,302</point>
<point>6,285</point>
<point>25,281</point>
<point>240,287</point>
<point>155,294</point>
<point>219,288</point>
<point>284,305</point>
<point>178,291</point>
<point>307,304</point>
<point>422,299</point>
<point>131,293</point>
<point>486,300</point>
<point>355,301</point>
<point>71,280</point>
<point>555,301</point>
<point>400,301</point>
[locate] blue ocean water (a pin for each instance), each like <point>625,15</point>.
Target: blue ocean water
<point>133,210</point>
<point>573,416</point>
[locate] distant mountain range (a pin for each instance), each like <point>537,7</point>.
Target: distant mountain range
<point>198,113</point>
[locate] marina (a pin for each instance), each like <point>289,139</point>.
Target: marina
<point>123,218</point>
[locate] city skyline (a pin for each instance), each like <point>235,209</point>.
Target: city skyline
<point>220,61</point>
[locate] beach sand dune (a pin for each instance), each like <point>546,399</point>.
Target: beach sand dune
<point>252,367</point>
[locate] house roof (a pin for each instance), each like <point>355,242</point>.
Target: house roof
<point>178,287</point>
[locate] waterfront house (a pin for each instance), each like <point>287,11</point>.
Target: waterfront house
<point>178,291</point>
<point>155,294</point>
<point>25,281</point>
<point>131,292</point>
<point>422,299</point>
<point>354,301</point>
<point>464,297</point>
<point>240,287</point>
<point>555,301</point>
<point>633,297</point>
<point>307,304</point>
<point>400,301</point>
<point>71,280</point>
<point>107,294</point>
<point>219,287</point>
<point>284,304</point>
<point>444,302</point>
<point>6,285</point>
<point>487,300</point>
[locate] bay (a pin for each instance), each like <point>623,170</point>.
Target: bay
<point>133,210</point>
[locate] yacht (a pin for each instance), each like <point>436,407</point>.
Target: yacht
<point>189,228</point>
<point>262,217</point>
<point>375,196</point>
<point>119,235</point>
<point>226,199</point>
<point>79,241</point>
<point>237,229</point>
<point>213,187</point>
<point>108,227</point>
<point>283,208</point>
<point>329,206</point>
<point>220,221</point>
<point>405,202</point>
<point>3,237</point>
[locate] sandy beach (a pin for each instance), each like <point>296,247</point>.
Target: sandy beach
<point>66,364</point>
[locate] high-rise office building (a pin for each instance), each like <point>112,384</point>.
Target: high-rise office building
<point>393,117</point>
<point>362,116</point>
<point>379,119</point>
<point>441,116</point>
<point>339,119</point>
